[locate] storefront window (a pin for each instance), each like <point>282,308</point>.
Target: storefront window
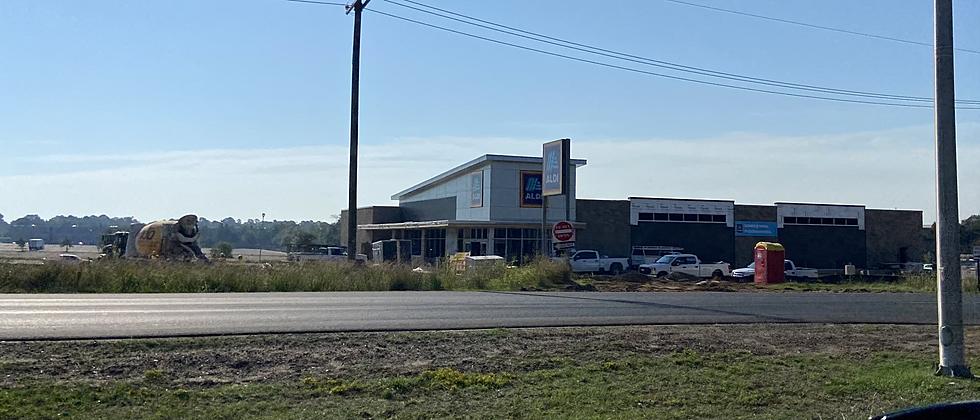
<point>435,243</point>
<point>517,245</point>
<point>415,236</point>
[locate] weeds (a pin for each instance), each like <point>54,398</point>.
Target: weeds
<point>140,276</point>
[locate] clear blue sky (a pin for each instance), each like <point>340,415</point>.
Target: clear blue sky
<point>174,91</point>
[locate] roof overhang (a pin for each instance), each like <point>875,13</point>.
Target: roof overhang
<point>482,160</point>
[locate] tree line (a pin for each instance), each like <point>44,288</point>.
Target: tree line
<point>251,233</point>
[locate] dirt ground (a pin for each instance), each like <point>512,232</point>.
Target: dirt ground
<point>211,361</point>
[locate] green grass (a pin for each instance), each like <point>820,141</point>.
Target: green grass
<point>681,385</point>
<point>170,277</point>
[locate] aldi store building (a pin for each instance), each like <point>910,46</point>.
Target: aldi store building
<point>492,205</point>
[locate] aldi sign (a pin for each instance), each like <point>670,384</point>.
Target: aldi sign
<point>555,168</point>
<point>531,189</point>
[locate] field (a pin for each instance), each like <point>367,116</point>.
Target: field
<point>734,371</point>
<point>11,253</point>
<point>156,276</point>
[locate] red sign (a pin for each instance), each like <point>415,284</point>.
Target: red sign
<point>563,232</point>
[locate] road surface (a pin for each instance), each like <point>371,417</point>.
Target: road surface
<point>52,316</point>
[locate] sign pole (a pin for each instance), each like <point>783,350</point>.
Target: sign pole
<point>544,225</point>
<point>566,149</point>
<point>554,180</point>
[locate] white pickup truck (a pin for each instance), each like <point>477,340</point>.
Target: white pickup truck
<point>789,268</point>
<point>685,264</point>
<point>589,261</point>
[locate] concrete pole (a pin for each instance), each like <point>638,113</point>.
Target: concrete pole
<point>952,357</point>
<point>357,7</point>
<point>261,231</point>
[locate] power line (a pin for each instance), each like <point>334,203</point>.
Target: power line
<point>330,3</point>
<point>659,63</point>
<point>813,26</point>
<point>630,69</point>
<point>639,71</point>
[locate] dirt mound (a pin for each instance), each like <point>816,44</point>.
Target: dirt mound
<point>666,285</point>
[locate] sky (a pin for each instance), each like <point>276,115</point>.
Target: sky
<point>221,108</point>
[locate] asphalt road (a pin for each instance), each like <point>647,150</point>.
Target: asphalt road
<point>51,316</point>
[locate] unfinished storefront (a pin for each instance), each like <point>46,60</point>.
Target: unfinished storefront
<point>491,205</point>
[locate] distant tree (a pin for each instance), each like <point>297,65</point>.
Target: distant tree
<point>299,238</point>
<point>222,250</point>
<point>970,233</point>
<point>21,244</point>
<point>304,238</point>
<point>66,243</point>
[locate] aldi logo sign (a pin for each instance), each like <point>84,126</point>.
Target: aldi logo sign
<point>555,155</point>
<point>531,189</point>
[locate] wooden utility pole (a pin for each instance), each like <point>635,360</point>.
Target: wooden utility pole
<point>952,357</point>
<point>357,7</point>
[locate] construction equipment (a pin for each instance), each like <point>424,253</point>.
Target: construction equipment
<point>168,239</point>
<point>112,244</point>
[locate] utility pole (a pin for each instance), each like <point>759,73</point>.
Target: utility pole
<point>952,357</point>
<point>357,7</point>
<point>261,236</point>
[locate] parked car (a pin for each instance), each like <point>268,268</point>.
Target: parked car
<point>688,264</point>
<point>789,269</point>
<point>590,261</point>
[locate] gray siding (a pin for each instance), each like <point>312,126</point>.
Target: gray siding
<point>427,210</point>
<point>827,247</point>
<point>369,215</point>
<point>891,231</point>
<point>607,227</point>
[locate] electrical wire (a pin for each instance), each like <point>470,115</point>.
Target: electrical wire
<point>813,26</point>
<point>658,63</point>
<point>631,69</point>
<point>329,3</point>
<point>634,70</point>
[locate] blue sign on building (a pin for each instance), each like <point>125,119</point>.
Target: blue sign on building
<point>555,167</point>
<point>531,189</point>
<point>753,228</point>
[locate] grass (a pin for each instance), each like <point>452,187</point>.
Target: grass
<point>154,276</point>
<point>169,277</point>
<point>680,385</point>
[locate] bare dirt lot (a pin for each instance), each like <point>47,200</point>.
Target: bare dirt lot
<point>242,359</point>
<point>663,372</point>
